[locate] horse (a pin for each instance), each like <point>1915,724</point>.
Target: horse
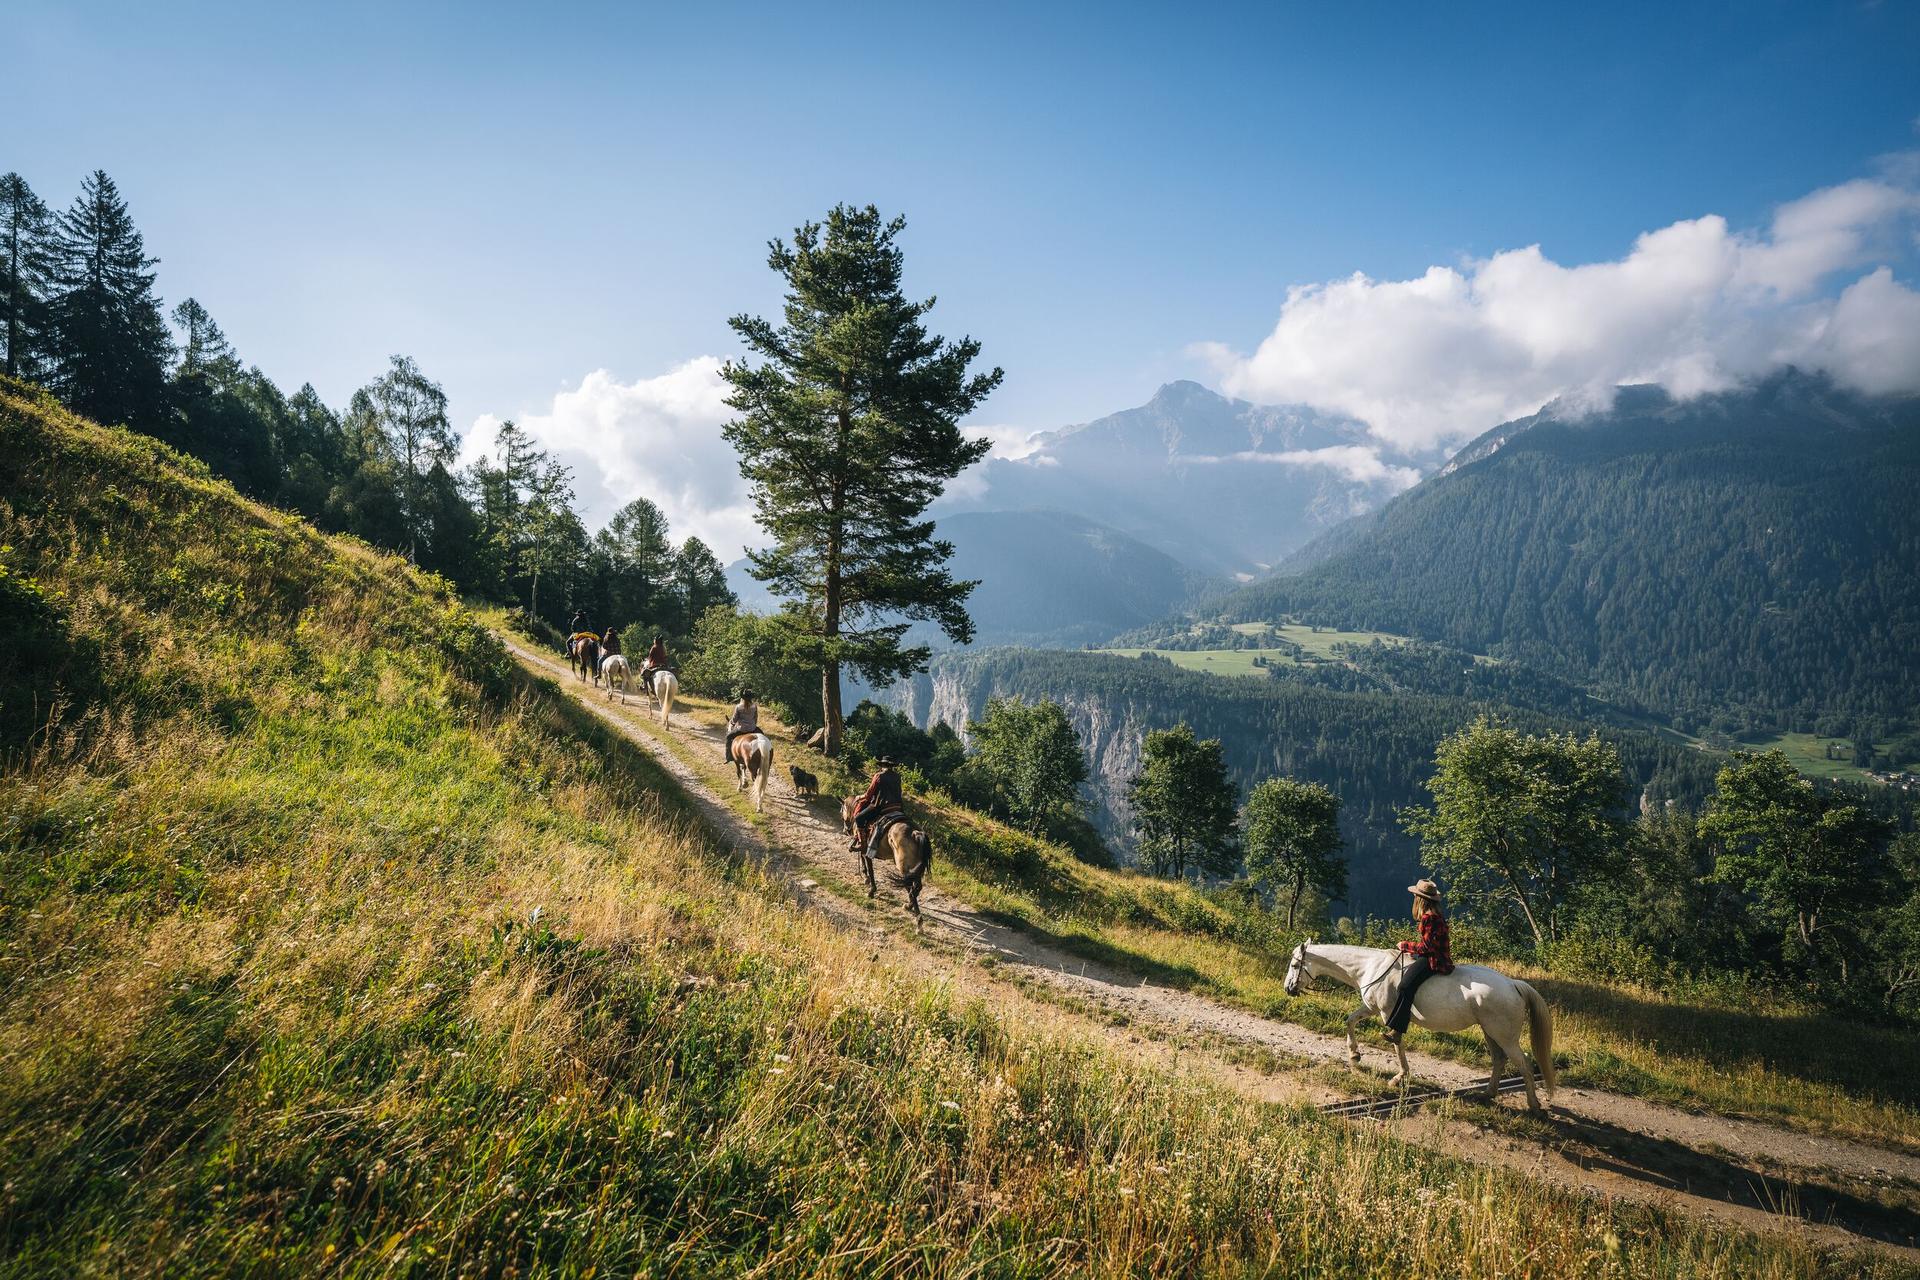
<point>666,687</point>
<point>612,666</point>
<point>752,755</point>
<point>583,655</point>
<point>911,849</point>
<point>1454,1001</point>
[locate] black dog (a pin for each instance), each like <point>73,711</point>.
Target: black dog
<point>804,783</point>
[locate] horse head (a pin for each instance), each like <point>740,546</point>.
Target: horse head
<point>1297,967</point>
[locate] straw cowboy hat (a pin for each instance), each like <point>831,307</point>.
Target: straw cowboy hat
<point>1425,889</point>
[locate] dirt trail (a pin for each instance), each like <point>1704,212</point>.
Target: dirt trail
<point>1741,1172</point>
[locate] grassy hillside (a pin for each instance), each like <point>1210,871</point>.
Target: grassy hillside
<point>329,944</point>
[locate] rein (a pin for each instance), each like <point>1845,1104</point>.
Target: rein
<point>1399,962</point>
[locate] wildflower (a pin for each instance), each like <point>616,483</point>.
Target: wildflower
<point>949,1104</point>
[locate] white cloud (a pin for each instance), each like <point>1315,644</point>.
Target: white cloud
<point>1359,463</point>
<point>1695,306</point>
<point>656,438</point>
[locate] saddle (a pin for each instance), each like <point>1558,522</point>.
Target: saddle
<point>881,825</point>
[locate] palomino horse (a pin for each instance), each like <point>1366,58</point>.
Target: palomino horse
<point>1471,994</point>
<point>752,755</point>
<point>666,687</point>
<point>912,854</point>
<point>613,667</point>
<point>583,655</point>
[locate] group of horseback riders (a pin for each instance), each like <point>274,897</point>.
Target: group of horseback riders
<point>884,795</point>
<point>609,645</point>
<point>1429,954</point>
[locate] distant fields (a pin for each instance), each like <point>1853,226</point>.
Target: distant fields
<point>1316,645</point>
<point>1809,755</point>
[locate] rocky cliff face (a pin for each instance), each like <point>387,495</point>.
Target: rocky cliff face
<point>955,691</point>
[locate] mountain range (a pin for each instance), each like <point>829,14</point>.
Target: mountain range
<point>1752,554</point>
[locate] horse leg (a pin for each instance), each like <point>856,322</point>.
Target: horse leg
<point>1406,1068</point>
<point>1511,1047</point>
<point>1354,1019</point>
<point>1499,1065</point>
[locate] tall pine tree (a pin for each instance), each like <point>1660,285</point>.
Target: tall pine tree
<point>109,340</point>
<point>848,429</point>
<point>25,261</point>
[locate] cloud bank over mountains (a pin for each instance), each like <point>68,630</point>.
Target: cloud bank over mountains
<point>1425,363</point>
<point>1696,306</point>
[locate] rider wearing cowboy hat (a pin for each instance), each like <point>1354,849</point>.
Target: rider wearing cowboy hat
<point>883,796</point>
<point>1432,953</point>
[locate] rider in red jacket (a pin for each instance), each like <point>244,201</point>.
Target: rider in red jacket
<point>1432,953</point>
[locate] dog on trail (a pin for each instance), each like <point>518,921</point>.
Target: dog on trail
<point>805,785</point>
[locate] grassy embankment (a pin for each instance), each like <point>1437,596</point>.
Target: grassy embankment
<point>330,944</point>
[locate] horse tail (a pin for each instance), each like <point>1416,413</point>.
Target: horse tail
<point>926,851</point>
<point>1540,1031</point>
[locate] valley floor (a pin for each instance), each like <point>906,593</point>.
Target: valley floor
<point>1831,1189</point>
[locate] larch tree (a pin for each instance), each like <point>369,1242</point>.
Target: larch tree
<point>1293,841</point>
<point>109,340</point>
<point>411,411</point>
<point>848,429</point>
<point>25,265</point>
<point>700,579</point>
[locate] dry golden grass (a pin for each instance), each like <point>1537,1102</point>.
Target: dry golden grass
<point>330,946</point>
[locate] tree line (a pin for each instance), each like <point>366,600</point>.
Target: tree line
<point>79,315</point>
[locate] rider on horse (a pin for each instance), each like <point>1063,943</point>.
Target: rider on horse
<point>883,796</point>
<point>744,720</point>
<point>656,660</point>
<point>609,643</point>
<point>579,623</point>
<point>1432,953</point>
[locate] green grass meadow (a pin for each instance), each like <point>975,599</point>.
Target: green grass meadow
<point>332,944</point>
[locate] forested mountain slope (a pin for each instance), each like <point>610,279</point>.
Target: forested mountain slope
<point>1047,578</point>
<point>1747,555</point>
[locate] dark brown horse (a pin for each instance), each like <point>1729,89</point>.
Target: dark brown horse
<point>583,655</point>
<point>911,849</point>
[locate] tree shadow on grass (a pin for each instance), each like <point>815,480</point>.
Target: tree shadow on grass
<point>1865,1061</point>
<point>1892,1215</point>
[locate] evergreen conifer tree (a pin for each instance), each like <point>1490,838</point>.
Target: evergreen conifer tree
<point>848,429</point>
<point>25,261</point>
<point>109,340</point>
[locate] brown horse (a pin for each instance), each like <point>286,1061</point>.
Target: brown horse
<point>752,756</point>
<point>912,854</point>
<point>583,655</point>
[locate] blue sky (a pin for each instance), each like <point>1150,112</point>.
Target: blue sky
<point>518,197</point>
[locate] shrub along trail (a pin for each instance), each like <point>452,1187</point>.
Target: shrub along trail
<point>1733,1170</point>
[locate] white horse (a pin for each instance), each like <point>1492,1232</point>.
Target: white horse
<point>615,664</point>
<point>666,687</point>
<point>1471,994</point>
<point>752,756</point>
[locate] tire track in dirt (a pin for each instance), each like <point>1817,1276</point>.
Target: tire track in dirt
<point>1743,1172</point>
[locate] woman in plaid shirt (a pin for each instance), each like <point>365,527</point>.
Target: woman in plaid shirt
<point>1432,953</point>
